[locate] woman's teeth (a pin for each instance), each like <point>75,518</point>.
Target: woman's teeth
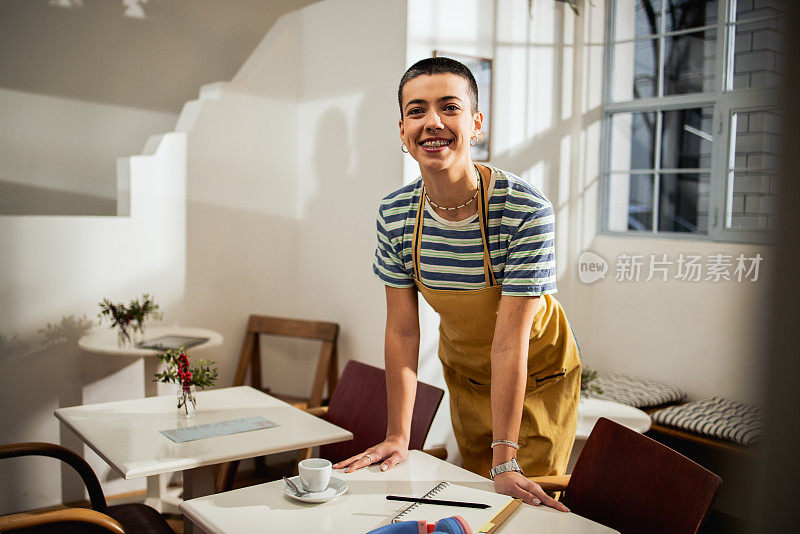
<point>435,144</point>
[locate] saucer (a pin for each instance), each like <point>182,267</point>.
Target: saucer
<point>335,488</point>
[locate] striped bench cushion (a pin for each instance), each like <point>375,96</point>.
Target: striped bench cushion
<point>633,391</point>
<point>717,417</point>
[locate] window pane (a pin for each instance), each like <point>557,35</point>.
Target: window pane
<point>753,203</point>
<point>636,18</point>
<point>759,8</point>
<point>686,138</point>
<point>630,202</point>
<point>689,62</point>
<point>633,141</point>
<point>635,70</point>
<point>758,54</point>
<point>757,143</point>
<point>640,202</point>
<point>685,14</point>
<point>683,203</point>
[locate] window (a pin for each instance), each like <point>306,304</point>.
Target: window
<point>692,129</point>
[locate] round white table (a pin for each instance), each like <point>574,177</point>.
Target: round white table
<point>590,410</point>
<point>105,341</point>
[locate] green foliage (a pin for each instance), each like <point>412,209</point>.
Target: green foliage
<point>202,374</point>
<point>587,377</point>
<point>128,319</point>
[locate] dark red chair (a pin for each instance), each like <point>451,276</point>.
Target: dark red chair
<point>120,519</point>
<point>632,483</point>
<point>359,405</point>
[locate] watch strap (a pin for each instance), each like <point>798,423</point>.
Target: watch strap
<point>505,467</point>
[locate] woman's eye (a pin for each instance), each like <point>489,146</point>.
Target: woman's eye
<point>451,107</point>
<point>414,111</point>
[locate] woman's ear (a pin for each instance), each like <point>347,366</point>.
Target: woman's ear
<point>402,128</point>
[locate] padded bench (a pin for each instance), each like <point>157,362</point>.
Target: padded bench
<point>716,423</point>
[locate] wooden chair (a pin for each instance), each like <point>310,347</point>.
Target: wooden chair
<point>327,367</point>
<point>632,483</point>
<point>101,518</point>
<point>359,405</point>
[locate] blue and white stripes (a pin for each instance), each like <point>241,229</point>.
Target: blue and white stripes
<point>521,241</point>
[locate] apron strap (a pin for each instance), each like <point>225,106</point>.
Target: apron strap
<point>483,212</point>
<point>416,243</point>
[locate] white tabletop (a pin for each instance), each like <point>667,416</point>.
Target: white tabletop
<point>364,507</point>
<point>104,340</point>
<point>126,433</point>
<point>590,410</point>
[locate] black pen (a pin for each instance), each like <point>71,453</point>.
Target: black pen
<point>437,501</point>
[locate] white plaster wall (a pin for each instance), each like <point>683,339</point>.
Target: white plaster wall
<point>55,270</point>
<point>348,159</point>
<point>68,146</point>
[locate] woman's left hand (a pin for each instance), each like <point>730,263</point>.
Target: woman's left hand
<point>516,485</point>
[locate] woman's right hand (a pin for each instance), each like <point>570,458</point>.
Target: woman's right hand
<point>389,452</point>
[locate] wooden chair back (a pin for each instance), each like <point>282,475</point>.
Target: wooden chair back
<point>101,519</point>
<point>359,405</point>
<point>327,366</point>
<point>632,483</point>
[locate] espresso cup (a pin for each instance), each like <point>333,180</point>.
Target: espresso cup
<point>315,474</point>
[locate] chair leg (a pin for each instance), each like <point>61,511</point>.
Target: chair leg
<point>226,475</point>
<point>260,466</point>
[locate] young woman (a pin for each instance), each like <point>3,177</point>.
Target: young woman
<point>477,243</point>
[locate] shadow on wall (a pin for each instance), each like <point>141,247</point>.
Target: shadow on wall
<point>52,365</point>
<point>23,199</point>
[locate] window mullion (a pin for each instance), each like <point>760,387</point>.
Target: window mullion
<point>657,166</point>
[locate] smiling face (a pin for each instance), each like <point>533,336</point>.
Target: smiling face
<point>437,122</point>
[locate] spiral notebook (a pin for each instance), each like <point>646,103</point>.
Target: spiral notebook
<point>480,520</point>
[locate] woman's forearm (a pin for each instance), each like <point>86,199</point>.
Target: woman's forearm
<point>509,359</point>
<point>509,374</point>
<point>401,381</point>
<point>402,355</point>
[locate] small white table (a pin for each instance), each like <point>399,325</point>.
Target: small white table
<point>106,341</point>
<point>590,410</point>
<point>265,508</point>
<point>126,434</point>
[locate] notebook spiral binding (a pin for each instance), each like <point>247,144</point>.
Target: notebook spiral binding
<point>432,493</point>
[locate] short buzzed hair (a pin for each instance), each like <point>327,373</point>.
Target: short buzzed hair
<point>440,65</point>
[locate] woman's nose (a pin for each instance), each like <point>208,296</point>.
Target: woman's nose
<point>433,122</point>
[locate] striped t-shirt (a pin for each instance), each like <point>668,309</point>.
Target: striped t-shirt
<point>521,241</point>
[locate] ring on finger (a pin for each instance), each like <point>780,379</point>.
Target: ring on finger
<point>368,457</point>
<point>536,501</point>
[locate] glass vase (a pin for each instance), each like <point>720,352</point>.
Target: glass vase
<point>129,337</point>
<point>187,401</point>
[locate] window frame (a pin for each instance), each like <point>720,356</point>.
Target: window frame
<point>722,101</point>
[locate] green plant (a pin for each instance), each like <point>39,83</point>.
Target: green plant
<point>177,371</point>
<point>202,375</point>
<point>129,319</point>
<point>587,377</point>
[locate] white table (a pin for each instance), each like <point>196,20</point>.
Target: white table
<point>126,434</point>
<point>590,410</point>
<point>265,508</point>
<point>105,341</point>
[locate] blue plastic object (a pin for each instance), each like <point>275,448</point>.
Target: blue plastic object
<point>448,525</point>
<point>452,525</point>
<point>404,527</point>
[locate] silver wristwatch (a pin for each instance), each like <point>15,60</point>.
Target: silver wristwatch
<point>505,467</point>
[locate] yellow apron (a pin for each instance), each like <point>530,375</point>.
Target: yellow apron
<point>549,415</point>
